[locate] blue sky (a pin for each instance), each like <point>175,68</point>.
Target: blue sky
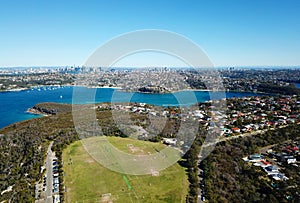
<point>231,32</point>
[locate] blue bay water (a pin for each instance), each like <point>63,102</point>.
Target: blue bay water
<point>13,105</point>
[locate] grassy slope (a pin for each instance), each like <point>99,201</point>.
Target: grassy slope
<point>87,180</point>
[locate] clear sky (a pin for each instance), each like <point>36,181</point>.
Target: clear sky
<point>231,32</point>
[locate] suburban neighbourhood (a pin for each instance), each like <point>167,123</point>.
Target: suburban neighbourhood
<point>155,80</point>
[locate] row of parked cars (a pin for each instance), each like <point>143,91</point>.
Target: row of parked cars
<point>55,175</point>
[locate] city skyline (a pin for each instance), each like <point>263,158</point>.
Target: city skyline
<point>231,33</point>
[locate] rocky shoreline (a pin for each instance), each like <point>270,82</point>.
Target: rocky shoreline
<point>36,112</point>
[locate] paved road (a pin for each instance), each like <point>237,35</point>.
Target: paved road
<point>199,200</point>
<point>200,175</point>
<point>49,173</point>
<point>199,196</point>
<point>240,135</point>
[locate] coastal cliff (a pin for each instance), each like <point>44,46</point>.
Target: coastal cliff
<point>50,108</point>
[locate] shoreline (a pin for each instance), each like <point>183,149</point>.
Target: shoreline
<point>35,112</point>
<point>15,90</point>
<point>124,90</point>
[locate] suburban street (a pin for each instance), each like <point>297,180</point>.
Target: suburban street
<point>49,173</point>
<point>257,132</point>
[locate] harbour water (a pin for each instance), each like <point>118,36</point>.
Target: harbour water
<point>13,105</point>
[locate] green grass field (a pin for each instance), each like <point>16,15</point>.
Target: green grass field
<point>86,180</point>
